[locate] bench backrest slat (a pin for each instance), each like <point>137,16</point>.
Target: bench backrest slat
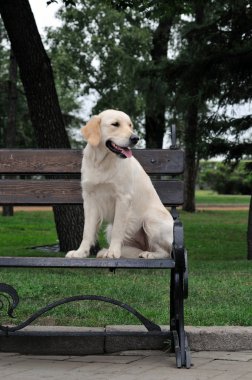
<point>58,163</point>
<point>48,192</point>
<point>67,161</point>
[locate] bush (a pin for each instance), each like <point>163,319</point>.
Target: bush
<point>226,178</point>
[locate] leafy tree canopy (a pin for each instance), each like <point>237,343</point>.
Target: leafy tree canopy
<point>101,52</point>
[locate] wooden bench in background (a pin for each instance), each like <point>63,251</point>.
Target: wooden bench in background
<point>37,165</point>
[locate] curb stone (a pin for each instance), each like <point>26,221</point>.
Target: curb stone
<point>220,338</point>
<point>59,340</point>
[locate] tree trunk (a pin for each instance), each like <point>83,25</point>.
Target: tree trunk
<point>249,233</point>
<point>10,130</point>
<point>37,78</point>
<point>190,138</point>
<point>154,126</point>
<point>157,89</point>
<point>191,123</point>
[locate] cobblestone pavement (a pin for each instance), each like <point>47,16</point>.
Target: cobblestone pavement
<point>128,365</point>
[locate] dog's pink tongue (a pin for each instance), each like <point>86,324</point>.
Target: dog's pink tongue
<point>127,152</point>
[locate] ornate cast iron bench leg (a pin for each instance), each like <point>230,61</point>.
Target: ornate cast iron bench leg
<point>180,343</point>
<point>11,295</point>
<point>179,292</point>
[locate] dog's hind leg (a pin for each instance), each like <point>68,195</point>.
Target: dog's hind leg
<point>158,227</point>
<point>130,252</point>
<point>127,252</point>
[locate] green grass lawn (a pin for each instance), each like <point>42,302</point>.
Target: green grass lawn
<point>220,277</point>
<point>208,197</point>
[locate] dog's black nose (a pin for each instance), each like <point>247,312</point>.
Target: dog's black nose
<point>134,139</point>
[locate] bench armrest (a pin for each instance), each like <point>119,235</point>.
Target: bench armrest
<point>179,254</point>
<point>178,245</point>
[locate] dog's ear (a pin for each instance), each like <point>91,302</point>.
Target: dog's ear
<point>92,131</point>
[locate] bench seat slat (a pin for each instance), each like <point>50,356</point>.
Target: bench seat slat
<point>68,161</point>
<point>50,192</point>
<point>58,262</point>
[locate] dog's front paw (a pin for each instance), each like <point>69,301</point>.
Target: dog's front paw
<point>108,254</point>
<point>77,254</point>
<point>101,253</point>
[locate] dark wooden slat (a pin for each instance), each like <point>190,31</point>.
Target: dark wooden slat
<point>40,161</point>
<point>163,161</point>
<point>40,192</point>
<point>65,161</point>
<point>49,192</point>
<point>58,262</point>
<point>170,192</point>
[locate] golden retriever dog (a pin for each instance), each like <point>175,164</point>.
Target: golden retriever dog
<point>116,189</point>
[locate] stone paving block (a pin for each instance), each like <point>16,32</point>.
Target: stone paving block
<point>243,356</point>
<point>142,353</point>
<point>37,369</point>
<point>166,372</point>
<point>48,357</point>
<point>232,366</point>
<point>231,376</point>
<point>141,367</point>
<point>129,365</point>
<point>115,359</point>
<point>154,367</point>
<point>248,376</point>
<point>198,361</point>
<point>96,371</point>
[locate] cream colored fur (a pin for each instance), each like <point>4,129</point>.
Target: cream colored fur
<point>119,192</point>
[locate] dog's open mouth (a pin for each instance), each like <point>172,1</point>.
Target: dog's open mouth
<point>123,152</point>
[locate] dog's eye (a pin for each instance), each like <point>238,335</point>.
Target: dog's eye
<point>116,124</point>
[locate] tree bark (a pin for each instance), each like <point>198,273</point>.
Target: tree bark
<point>157,90</point>
<point>36,74</point>
<point>10,130</point>
<point>190,138</point>
<point>37,78</point>
<point>249,232</point>
<point>191,124</point>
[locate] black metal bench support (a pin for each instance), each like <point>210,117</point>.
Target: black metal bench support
<point>7,289</point>
<point>177,292</point>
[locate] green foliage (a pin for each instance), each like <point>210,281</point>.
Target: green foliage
<point>213,70</point>
<point>225,178</point>
<point>216,48</point>
<point>105,47</point>
<point>100,53</point>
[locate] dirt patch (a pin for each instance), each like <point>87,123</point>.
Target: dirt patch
<point>223,207</point>
<point>32,208</point>
<point>199,207</point>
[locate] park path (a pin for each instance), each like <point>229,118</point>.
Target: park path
<point>200,207</point>
<point>129,365</point>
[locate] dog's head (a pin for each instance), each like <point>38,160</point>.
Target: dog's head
<point>114,130</point>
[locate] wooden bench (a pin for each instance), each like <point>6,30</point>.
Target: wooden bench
<point>167,164</point>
